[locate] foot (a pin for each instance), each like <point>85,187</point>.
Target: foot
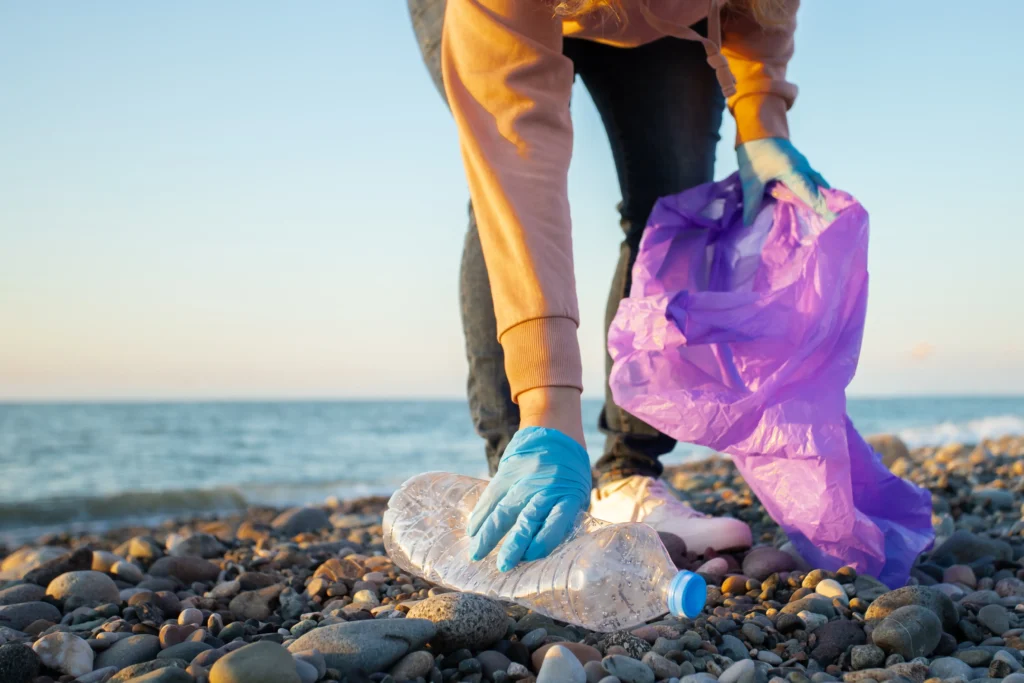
<point>649,500</point>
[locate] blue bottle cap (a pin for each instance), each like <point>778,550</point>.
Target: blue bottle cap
<point>687,594</point>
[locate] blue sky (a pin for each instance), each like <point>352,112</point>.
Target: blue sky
<point>263,199</point>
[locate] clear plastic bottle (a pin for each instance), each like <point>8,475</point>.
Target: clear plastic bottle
<point>604,577</point>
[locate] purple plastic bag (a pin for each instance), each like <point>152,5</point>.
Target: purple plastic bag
<point>743,339</point>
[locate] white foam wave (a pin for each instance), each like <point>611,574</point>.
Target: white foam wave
<point>969,432</point>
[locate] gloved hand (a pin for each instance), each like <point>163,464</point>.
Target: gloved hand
<point>762,161</point>
<point>543,482</point>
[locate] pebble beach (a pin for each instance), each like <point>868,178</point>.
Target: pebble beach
<point>308,594</point>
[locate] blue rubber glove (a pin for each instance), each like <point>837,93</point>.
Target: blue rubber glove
<point>762,161</point>
<point>543,482</point>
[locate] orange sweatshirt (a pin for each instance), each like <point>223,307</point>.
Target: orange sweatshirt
<point>508,85</point>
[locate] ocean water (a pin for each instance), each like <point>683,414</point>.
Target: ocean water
<point>93,464</point>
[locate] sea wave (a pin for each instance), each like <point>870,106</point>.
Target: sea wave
<point>96,513</point>
<point>968,432</point>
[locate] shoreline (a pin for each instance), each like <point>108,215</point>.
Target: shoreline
<point>210,587</point>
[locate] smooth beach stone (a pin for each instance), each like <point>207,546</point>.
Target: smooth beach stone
<point>133,650</point>
<point>924,596</point>
<point>950,667</point>
<point>715,567</point>
<point>866,657</point>
<point>960,573</point>
<point>833,590</point>
<point>561,666</point>
<point>413,665</point>
<point>306,671</point>
<point>188,651</point>
<point>167,674</point>
<point>130,673</point>
<point>93,587</point>
<point>965,547</point>
<point>25,592</point>
<point>186,569</point>
<point>79,560</point>
<point>733,648</point>
<point>197,545</point>
<point>255,604</point>
<point>534,638</point>
<point>373,645</point>
<point>463,620</point>
<point>744,671</point>
<point>127,572</point>
<point>583,652</point>
<point>260,662</point>
<point>301,520</point>
<point>626,669</point>
<point>811,603</point>
<point>662,667</point>
<point>911,631</point>
<point>22,561</point>
<point>595,672</point>
<point>64,652</point>
<point>994,618</point>
<point>18,663</point>
<point>869,588</point>
<point>22,614</point>
<point>762,562</point>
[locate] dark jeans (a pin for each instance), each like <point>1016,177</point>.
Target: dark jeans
<point>662,108</point>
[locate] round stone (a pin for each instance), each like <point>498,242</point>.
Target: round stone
<point>260,662</point>
<point>911,631</point>
<point>627,669</point>
<point>936,601</point>
<point>760,563</point>
<point>463,620</point>
<point>561,666</point>
<point>64,652</point>
<point>413,666</point>
<point>89,586</point>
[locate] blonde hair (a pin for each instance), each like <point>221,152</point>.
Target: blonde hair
<point>765,12</point>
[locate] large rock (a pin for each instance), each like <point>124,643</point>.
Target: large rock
<point>937,601</point>
<point>300,521</point>
<point>64,652</point>
<point>87,586</point>
<point>890,447</point>
<point>25,592</point>
<point>78,560</point>
<point>260,662</point>
<point>18,663</point>
<point>911,631</point>
<point>463,620</point>
<point>24,613</point>
<point>369,646</point>
<point>185,569</point>
<point>132,650</point>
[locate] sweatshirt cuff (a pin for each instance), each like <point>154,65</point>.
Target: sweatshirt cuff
<point>760,116</point>
<point>542,352</point>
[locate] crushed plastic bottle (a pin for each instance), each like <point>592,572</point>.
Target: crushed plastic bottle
<point>603,577</point>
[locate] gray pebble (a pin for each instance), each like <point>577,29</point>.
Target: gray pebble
<point>628,670</point>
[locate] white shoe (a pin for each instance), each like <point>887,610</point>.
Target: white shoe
<point>649,500</point>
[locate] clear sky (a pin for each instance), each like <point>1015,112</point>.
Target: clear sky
<point>264,199</point>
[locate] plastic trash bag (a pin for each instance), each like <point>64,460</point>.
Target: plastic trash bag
<point>743,339</point>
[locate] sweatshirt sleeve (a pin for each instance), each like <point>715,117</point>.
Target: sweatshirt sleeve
<point>758,57</point>
<point>508,85</point>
